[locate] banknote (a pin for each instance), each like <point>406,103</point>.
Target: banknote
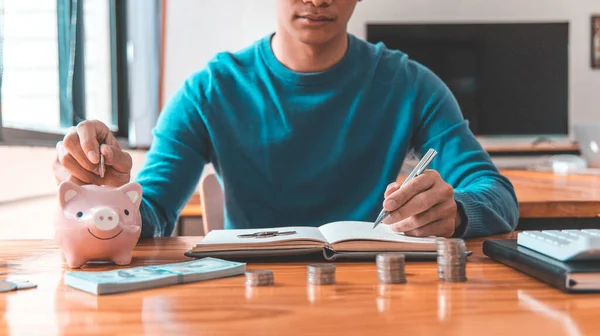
<point>197,270</point>
<point>144,277</point>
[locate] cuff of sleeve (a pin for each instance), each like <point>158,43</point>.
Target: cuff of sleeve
<point>148,220</point>
<point>472,219</point>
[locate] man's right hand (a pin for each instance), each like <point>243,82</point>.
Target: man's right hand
<point>78,156</point>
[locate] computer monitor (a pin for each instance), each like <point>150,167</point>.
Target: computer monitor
<point>510,79</point>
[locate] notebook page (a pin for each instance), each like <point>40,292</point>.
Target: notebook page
<point>222,237</point>
<point>351,230</point>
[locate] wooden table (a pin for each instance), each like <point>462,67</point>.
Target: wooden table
<point>570,199</point>
<point>496,300</point>
<point>193,208</point>
<point>540,148</point>
<point>547,195</point>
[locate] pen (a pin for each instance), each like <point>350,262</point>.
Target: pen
<point>418,170</point>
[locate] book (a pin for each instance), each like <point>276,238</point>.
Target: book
<point>567,276</point>
<point>342,239</point>
<point>145,277</point>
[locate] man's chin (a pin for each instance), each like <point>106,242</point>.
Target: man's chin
<point>315,37</point>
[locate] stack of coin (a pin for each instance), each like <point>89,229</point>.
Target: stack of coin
<point>22,284</point>
<point>259,278</point>
<point>321,274</point>
<point>452,260</point>
<point>390,268</point>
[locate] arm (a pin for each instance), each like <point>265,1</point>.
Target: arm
<point>174,163</point>
<point>486,200</point>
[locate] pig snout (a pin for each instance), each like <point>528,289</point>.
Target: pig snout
<point>105,219</point>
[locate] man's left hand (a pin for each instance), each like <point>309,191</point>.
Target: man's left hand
<point>423,207</point>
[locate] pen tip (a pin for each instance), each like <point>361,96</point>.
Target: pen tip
<point>379,219</point>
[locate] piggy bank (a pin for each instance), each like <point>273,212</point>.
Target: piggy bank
<point>97,222</point>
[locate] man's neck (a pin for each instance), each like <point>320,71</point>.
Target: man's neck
<point>302,57</point>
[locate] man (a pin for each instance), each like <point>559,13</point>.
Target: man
<point>304,127</point>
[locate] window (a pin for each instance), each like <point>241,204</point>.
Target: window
<point>30,80</point>
<point>63,61</point>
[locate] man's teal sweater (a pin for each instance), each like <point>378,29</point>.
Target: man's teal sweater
<point>305,149</point>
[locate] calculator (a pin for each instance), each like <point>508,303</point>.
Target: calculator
<point>563,245</point>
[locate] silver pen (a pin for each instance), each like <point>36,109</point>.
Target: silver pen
<point>418,170</point>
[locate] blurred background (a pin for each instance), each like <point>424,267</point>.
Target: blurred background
<point>524,72</point>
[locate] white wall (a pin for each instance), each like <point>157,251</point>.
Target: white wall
<point>26,172</point>
<point>196,30</point>
<point>28,191</point>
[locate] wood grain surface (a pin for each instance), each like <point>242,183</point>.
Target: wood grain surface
<point>531,148</point>
<point>495,300</point>
<point>548,195</point>
<point>540,195</point>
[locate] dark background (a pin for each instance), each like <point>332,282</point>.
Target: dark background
<point>509,78</point>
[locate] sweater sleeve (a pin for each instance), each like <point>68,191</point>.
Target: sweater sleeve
<point>174,162</point>
<point>485,198</point>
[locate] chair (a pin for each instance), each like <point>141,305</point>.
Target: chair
<point>211,198</point>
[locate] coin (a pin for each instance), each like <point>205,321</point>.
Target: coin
<point>451,260</point>
<point>7,286</point>
<point>321,267</point>
<point>25,284</point>
<point>102,167</point>
<point>259,278</point>
<point>390,268</point>
<point>321,274</point>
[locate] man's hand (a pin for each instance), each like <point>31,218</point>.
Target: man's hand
<point>424,207</point>
<point>78,156</point>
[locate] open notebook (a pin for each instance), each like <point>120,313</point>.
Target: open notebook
<point>345,239</point>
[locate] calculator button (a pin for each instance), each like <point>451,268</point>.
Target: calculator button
<point>563,244</point>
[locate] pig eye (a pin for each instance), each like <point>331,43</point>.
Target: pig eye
<point>79,214</point>
<point>126,212</point>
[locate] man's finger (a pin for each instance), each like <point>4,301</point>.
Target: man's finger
<point>72,166</point>
<point>391,188</point>
<point>73,146</point>
<point>117,159</point>
<point>115,178</point>
<point>424,201</point>
<point>416,205</point>
<point>62,175</point>
<point>439,211</point>
<point>91,133</point>
<point>399,197</point>
<point>440,228</point>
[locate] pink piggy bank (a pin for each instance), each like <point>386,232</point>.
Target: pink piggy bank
<point>98,222</point>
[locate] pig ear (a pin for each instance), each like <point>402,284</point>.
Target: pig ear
<point>66,191</point>
<point>133,190</point>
